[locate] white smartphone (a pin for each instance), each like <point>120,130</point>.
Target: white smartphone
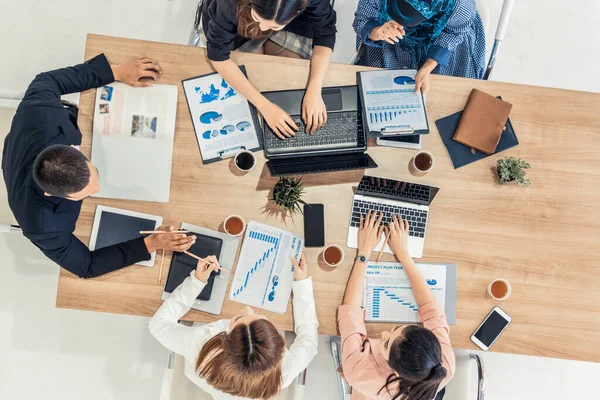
<point>491,327</point>
<point>405,142</point>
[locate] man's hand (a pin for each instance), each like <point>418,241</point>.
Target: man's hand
<point>205,268</point>
<point>140,72</point>
<point>369,233</point>
<point>169,241</point>
<point>314,111</point>
<point>300,269</point>
<point>397,232</point>
<point>392,32</point>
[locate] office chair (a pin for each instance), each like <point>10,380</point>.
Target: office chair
<point>460,387</point>
<point>483,9</point>
<point>7,220</point>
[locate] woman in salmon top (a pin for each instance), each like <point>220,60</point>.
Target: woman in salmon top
<point>410,362</point>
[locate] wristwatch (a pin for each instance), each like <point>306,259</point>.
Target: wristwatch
<point>361,259</point>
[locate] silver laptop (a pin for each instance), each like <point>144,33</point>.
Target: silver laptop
<point>390,197</point>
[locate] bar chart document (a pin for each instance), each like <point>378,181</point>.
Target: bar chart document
<point>264,273</point>
<point>390,104</point>
<point>388,294</point>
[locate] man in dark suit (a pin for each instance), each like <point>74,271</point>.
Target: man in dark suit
<point>47,177</point>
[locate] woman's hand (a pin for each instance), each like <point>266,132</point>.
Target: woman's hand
<point>314,111</point>
<point>397,232</point>
<point>206,267</point>
<point>369,233</point>
<point>300,269</point>
<point>422,77</point>
<point>280,122</point>
<point>392,32</point>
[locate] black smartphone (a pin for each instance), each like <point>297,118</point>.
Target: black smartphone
<point>314,225</point>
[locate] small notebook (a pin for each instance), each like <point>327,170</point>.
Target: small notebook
<point>482,122</point>
<point>460,154</point>
<point>182,264</point>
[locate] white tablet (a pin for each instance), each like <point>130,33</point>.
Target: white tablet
<point>405,142</point>
<point>113,226</point>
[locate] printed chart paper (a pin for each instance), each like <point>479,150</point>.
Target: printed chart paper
<point>388,294</point>
<point>221,116</point>
<point>391,102</point>
<point>264,273</point>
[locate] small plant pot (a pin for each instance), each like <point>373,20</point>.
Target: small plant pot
<point>498,176</point>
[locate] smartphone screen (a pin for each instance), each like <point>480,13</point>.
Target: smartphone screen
<point>314,225</point>
<point>491,328</point>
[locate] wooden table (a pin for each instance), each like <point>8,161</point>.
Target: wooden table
<point>543,239</point>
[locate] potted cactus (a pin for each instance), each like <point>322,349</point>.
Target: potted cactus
<point>511,169</point>
<point>287,194</point>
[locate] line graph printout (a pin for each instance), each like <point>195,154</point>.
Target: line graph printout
<point>388,294</point>
<point>264,273</point>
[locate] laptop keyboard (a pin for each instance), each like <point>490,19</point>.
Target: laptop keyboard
<point>341,130</point>
<point>394,188</point>
<point>417,219</point>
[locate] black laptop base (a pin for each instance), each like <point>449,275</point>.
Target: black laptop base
<point>320,164</point>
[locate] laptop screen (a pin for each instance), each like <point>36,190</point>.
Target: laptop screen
<point>397,190</point>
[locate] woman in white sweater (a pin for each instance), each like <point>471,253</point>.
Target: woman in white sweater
<point>243,357</point>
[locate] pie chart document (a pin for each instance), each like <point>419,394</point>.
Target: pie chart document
<point>264,273</point>
<point>224,121</point>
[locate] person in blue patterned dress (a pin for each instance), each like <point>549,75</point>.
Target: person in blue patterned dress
<point>433,36</point>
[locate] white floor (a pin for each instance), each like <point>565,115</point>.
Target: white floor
<point>69,355</point>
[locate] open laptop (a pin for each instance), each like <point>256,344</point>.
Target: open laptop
<point>410,200</point>
<point>340,145</point>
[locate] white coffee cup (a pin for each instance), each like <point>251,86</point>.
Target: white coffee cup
<point>415,170</point>
<point>333,246</point>
<point>230,219</point>
<point>508,289</point>
<point>248,158</point>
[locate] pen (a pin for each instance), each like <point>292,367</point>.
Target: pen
<point>202,259</point>
<point>151,232</point>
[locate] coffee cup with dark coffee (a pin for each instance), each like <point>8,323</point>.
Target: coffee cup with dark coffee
<point>333,255</point>
<point>245,160</point>
<point>499,289</point>
<point>234,225</point>
<point>422,163</point>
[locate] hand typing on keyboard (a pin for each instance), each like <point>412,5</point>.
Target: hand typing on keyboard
<point>314,111</point>
<point>397,233</point>
<point>278,120</point>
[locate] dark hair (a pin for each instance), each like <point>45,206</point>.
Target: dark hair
<point>417,358</point>
<point>61,170</point>
<point>245,362</point>
<point>282,12</point>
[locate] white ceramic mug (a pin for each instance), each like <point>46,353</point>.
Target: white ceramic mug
<point>341,252</point>
<point>419,172</point>
<point>508,292</point>
<point>234,216</point>
<point>235,160</point>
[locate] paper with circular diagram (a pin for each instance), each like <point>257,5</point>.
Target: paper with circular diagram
<point>222,117</point>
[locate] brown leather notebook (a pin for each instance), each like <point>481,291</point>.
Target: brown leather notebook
<point>482,122</point>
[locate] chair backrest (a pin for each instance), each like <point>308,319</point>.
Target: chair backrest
<point>6,216</point>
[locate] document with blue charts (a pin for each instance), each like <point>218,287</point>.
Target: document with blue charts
<point>388,294</point>
<point>223,119</point>
<point>264,273</point>
<point>390,103</point>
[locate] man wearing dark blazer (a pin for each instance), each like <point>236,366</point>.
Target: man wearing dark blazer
<point>47,178</point>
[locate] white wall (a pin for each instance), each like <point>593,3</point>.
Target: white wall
<point>53,354</point>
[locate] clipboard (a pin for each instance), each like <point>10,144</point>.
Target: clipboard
<point>230,150</point>
<point>392,129</point>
